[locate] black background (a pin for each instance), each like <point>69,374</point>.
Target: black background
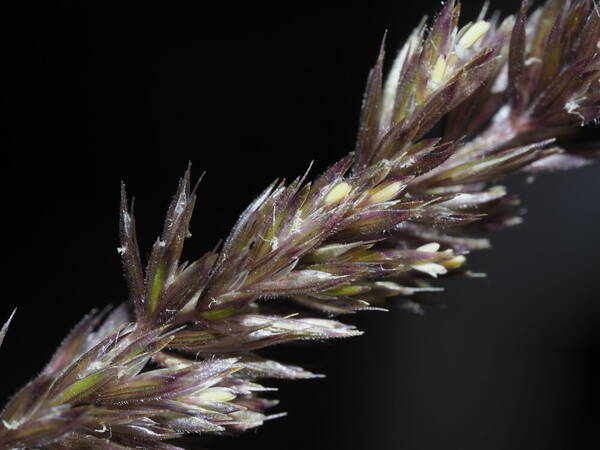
<point>95,93</point>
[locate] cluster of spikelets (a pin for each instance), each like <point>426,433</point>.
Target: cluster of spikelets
<point>179,357</point>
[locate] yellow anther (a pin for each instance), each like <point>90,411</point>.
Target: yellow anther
<point>219,395</point>
<point>386,193</point>
<point>454,263</point>
<point>497,190</point>
<point>438,74</point>
<point>346,290</point>
<point>338,193</point>
<point>432,247</point>
<point>474,33</point>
